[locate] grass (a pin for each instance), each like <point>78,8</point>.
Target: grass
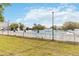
<point>18,46</point>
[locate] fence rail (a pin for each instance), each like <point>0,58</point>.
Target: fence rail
<point>66,36</point>
<point>58,35</point>
<point>45,35</point>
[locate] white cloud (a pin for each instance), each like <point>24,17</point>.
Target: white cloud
<point>35,14</point>
<point>44,16</point>
<point>41,15</point>
<point>68,14</point>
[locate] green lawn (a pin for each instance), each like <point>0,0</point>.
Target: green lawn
<point>27,47</point>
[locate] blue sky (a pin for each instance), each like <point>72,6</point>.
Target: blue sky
<point>30,13</point>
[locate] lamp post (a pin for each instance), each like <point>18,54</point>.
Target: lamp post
<point>52,25</point>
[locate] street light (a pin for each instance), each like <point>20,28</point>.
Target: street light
<point>52,25</point>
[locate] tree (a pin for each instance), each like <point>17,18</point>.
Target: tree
<point>2,8</point>
<point>1,18</point>
<point>13,26</point>
<point>69,25</point>
<point>38,27</point>
<point>77,25</point>
<point>21,26</point>
<point>54,27</point>
<point>27,28</point>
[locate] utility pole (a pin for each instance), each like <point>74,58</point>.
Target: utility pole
<point>52,25</point>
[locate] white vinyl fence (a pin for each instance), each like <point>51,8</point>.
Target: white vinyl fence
<point>41,34</point>
<point>58,35</point>
<point>67,36</point>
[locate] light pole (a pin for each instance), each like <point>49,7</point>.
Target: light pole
<point>52,25</point>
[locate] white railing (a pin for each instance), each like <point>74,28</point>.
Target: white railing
<point>66,36</point>
<point>45,35</point>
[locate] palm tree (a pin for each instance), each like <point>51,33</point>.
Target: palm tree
<point>2,7</point>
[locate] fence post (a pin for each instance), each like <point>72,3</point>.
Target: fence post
<point>23,33</point>
<point>8,27</point>
<point>74,36</point>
